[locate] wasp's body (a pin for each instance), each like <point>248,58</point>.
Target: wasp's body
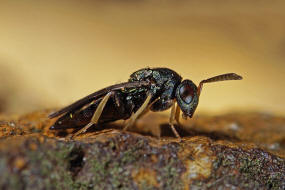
<point>155,89</point>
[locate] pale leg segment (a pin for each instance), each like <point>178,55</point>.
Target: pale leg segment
<point>172,119</point>
<point>136,115</point>
<point>96,115</point>
<point>177,115</point>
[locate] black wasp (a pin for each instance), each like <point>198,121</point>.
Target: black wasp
<point>154,89</point>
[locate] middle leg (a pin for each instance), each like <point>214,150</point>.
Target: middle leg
<point>138,113</point>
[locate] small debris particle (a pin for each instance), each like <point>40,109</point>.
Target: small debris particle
<point>234,126</point>
<point>19,163</point>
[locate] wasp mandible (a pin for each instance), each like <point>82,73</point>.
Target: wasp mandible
<point>155,89</point>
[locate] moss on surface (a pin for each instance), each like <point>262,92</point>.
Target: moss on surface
<point>35,158</point>
<point>246,169</point>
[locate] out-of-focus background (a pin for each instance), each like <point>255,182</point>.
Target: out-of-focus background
<point>55,52</point>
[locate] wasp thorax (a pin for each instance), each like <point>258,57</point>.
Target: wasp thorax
<point>187,98</point>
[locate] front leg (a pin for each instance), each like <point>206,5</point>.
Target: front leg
<point>177,115</point>
<point>172,119</point>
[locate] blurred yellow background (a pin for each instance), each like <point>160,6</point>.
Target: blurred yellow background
<point>55,52</point>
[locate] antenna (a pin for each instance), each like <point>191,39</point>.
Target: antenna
<point>224,77</point>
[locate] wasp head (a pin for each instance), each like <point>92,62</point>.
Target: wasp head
<point>187,97</point>
<point>187,94</point>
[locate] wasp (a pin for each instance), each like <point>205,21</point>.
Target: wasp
<point>148,89</point>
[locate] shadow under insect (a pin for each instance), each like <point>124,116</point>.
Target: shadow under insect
<point>157,126</point>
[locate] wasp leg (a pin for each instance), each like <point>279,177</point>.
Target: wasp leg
<point>139,112</point>
<point>171,121</point>
<point>177,115</point>
<point>146,110</point>
<point>96,115</point>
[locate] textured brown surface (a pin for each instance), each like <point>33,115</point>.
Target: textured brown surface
<point>234,150</point>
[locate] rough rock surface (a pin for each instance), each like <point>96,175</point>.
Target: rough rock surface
<point>233,151</point>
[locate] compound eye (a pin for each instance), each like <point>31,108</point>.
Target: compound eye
<point>186,93</point>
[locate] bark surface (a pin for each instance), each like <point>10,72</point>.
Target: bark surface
<point>232,151</point>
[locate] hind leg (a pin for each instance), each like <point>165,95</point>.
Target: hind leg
<point>96,115</point>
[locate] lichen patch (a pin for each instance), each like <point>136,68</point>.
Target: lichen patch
<point>145,177</point>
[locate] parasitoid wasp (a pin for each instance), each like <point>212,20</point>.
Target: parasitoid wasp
<point>155,89</point>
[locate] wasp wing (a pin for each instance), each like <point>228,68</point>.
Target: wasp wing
<point>97,95</point>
